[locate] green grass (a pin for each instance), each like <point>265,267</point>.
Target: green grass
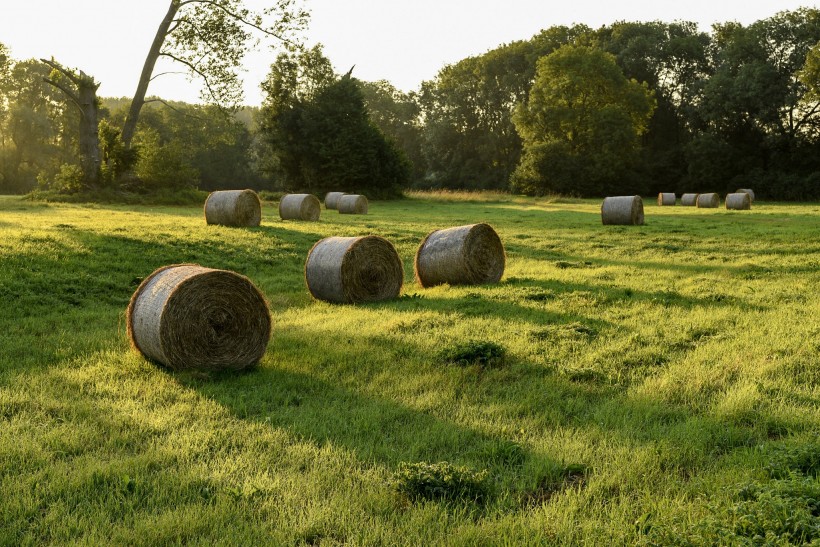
<point>649,385</point>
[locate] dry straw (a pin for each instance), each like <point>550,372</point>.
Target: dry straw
<point>299,207</point>
<point>622,210</point>
<point>666,198</point>
<point>689,200</point>
<point>332,199</point>
<point>233,208</point>
<point>708,201</point>
<point>189,317</point>
<point>352,204</point>
<point>740,201</point>
<point>464,255</point>
<point>354,269</point>
<point>747,191</point>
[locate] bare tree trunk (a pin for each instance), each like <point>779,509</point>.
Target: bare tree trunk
<point>130,125</point>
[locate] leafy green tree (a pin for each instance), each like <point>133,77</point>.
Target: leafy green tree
<point>581,125</point>
<point>210,38</point>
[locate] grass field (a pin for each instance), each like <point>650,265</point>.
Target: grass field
<point>657,384</point>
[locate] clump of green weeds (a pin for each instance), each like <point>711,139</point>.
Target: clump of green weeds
<point>482,354</point>
<point>441,481</point>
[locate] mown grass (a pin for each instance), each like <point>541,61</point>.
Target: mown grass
<point>650,384</point>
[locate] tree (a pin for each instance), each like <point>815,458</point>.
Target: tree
<point>581,124</point>
<point>81,90</point>
<point>209,38</point>
<point>320,131</point>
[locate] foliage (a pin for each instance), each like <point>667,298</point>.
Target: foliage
<point>162,165</point>
<point>441,481</point>
<point>479,353</point>
<point>320,132</point>
<point>69,180</point>
<point>116,158</point>
<point>581,125</point>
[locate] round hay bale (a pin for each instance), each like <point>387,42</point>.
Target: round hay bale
<point>352,204</point>
<point>332,199</point>
<point>665,198</point>
<point>299,207</point>
<point>347,270</point>
<point>233,208</point>
<point>747,191</point>
<point>622,210</point>
<point>689,200</point>
<point>740,201</point>
<point>463,255</point>
<point>189,317</point>
<point>708,201</point>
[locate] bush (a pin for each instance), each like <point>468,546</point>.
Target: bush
<point>441,481</point>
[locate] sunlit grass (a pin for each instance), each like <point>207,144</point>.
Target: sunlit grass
<point>648,374</point>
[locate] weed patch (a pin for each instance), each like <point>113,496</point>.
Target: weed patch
<point>441,481</point>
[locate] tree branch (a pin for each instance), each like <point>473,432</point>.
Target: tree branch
<point>236,17</point>
<point>164,73</point>
<point>172,107</point>
<point>193,69</point>
<point>69,93</point>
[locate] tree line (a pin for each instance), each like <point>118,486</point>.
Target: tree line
<point>631,107</point>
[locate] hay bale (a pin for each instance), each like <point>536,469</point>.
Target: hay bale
<point>463,255</point>
<point>622,210</point>
<point>189,317</point>
<point>354,269</point>
<point>689,200</point>
<point>665,198</point>
<point>740,201</point>
<point>332,199</point>
<point>299,207</point>
<point>352,204</point>
<point>708,201</point>
<point>747,191</point>
<point>233,208</point>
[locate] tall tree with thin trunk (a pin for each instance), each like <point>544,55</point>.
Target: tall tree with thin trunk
<point>209,39</point>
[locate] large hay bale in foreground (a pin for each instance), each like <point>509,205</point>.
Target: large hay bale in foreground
<point>463,255</point>
<point>347,270</point>
<point>747,191</point>
<point>708,201</point>
<point>689,200</point>
<point>352,204</point>
<point>332,199</point>
<point>626,210</point>
<point>189,317</point>
<point>233,208</point>
<point>740,201</point>
<point>666,198</point>
<point>299,207</point>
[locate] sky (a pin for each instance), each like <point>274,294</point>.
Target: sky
<point>402,41</point>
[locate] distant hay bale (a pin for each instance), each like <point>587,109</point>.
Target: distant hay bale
<point>463,255</point>
<point>708,201</point>
<point>189,317</point>
<point>299,207</point>
<point>740,201</point>
<point>689,200</point>
<point>332,199</point>
<point>622,210</point>
<point>347,270</point>
<point>233,208</point>
<point>352,204</point>
<point>666,198</point>
<point>747,191</point>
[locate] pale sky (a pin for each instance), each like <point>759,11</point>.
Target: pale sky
<point>402,41</point>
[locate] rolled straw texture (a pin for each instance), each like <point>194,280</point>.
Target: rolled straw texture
<point>622,210</point>
<point>740,201</point>
<point>332,199</point>
<point>189,317</point>
<point>463,255</point>
<point>352,204</point>
<point>689,200</point>
<point>747,191</point>
<point>708,201</point>
<point>299,207</point>
<point>347,270</point>
<point>233,208</point>
<point>667,198</point>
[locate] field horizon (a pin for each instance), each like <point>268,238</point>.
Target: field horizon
<point>657,384</point>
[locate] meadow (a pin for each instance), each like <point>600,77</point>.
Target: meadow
<point>649,385</point>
